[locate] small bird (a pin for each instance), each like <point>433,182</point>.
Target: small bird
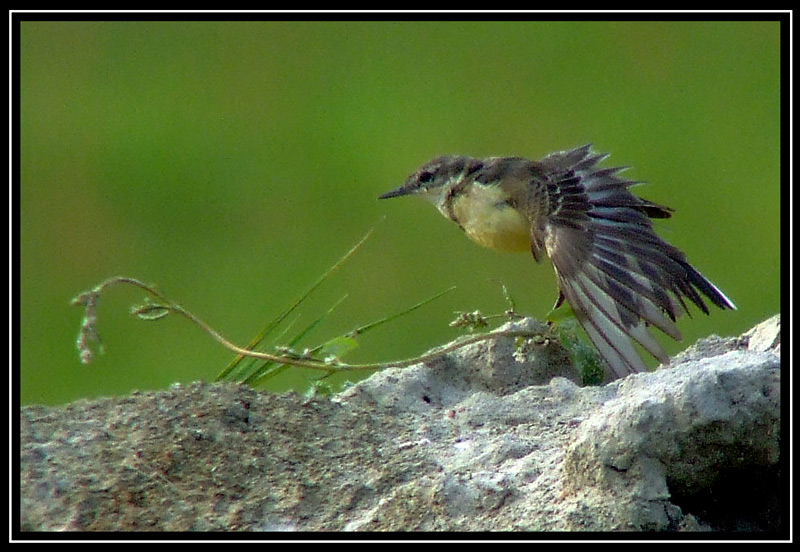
<point>617,274</point>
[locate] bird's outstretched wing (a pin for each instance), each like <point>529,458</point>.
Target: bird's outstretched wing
<point>618,275</point>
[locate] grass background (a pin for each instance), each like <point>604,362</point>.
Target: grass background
<point>231,163</point>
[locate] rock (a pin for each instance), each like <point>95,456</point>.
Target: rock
<point>471,442</point>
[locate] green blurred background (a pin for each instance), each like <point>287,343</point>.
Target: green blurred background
<point>233,163</point>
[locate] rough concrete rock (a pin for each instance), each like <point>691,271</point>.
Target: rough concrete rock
<point>470,442</point>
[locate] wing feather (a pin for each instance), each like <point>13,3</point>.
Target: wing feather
<point>618,275</point>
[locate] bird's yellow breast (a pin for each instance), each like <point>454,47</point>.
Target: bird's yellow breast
<point>490,221</point>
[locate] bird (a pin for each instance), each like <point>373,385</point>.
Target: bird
<point>619,277</point>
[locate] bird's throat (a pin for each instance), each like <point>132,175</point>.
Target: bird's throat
<point>488,219</point>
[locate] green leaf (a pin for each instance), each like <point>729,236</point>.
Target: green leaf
<point>151,311</point>
<point>563,312</point>
<point>337,347</point>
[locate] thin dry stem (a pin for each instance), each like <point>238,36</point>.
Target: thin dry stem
<point>88,333</point>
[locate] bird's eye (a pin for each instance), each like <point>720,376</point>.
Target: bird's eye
<point>426,177</point>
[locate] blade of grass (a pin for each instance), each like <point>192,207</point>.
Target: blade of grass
<point>345,342</point>
<point>269,369</point>
<point>251,364</point>
<point>286,312</point>
<point>365,328</point>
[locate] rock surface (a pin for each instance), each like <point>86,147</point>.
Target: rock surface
<point>471,442</point>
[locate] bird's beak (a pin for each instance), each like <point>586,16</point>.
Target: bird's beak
<point>397,192</point>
